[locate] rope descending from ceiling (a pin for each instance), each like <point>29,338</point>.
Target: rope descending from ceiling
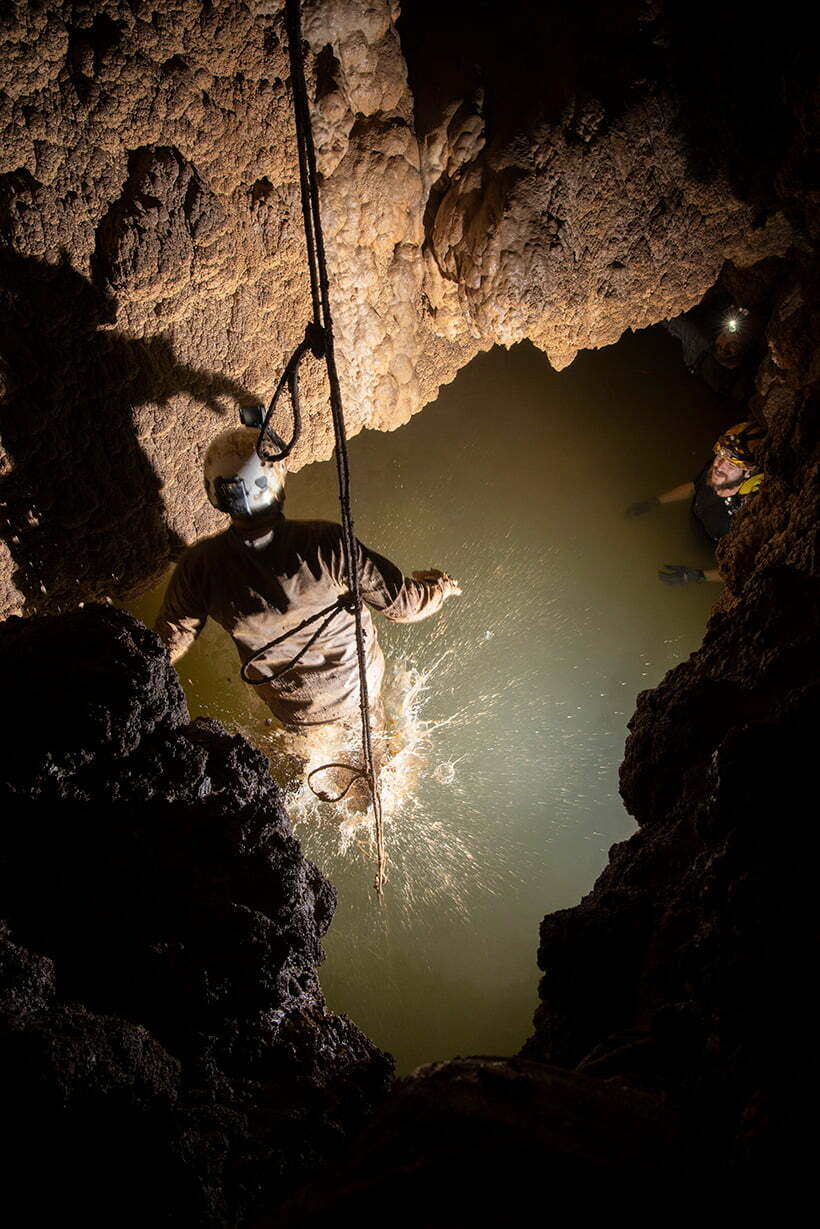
<point>319,341</point>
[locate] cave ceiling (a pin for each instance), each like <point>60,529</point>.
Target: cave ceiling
<point>489,173</point>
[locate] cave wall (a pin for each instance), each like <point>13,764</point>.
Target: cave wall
<point>152,260</point>
<point>166,1053</point>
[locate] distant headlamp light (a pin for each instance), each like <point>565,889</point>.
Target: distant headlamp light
<point>735,319</point>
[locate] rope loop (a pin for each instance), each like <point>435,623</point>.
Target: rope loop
<point>289,379</point>
<point>315,341</point>
<point>356,771</point>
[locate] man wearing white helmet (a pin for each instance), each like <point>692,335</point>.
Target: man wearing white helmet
<point>264,576</point>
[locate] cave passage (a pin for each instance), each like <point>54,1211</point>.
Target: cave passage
<point>516,696</point>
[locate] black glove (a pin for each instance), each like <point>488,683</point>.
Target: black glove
<point>679,574</point>
<point>643,505</point>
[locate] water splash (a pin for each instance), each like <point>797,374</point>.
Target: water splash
<point>420,782</point>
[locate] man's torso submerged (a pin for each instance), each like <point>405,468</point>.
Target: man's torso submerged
<point>257,590</point>
<point>712,511</point>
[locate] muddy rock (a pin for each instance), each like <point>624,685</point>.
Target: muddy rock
<point>477,1140</point>
<point>159,970</point>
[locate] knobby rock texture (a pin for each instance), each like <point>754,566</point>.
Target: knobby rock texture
<point>166,1053</point>
<point>483,181</point>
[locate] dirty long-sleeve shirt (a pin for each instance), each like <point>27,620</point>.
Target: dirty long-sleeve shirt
<point>258,590</point>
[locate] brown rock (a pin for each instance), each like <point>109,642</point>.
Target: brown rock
<point>148,185</point>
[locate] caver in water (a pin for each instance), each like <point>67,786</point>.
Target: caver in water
<point>718,492</point>
<point>264,577</point>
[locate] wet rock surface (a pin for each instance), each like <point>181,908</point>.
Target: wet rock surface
<point>164,1041</point>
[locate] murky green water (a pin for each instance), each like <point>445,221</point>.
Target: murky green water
<point>516,483</point>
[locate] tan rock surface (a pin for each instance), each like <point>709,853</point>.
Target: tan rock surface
<point>154,274</point>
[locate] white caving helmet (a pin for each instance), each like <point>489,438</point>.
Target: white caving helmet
<point>237,481</point>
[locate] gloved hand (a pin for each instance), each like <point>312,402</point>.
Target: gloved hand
<point>643,505</point>
<point>679,574</point>
<point>450,587</point>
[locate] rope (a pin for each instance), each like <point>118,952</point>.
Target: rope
<point>341,603</point>
<point>357,774</point>
<point>319,339</point>
<point>315,343</point>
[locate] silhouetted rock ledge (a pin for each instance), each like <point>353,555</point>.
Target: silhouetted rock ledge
<point>485,1141</point>
<point>166,1054</point>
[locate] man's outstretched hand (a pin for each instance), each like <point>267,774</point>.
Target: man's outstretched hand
<point>642,506</point>
<point>678,574</point>
<point>450,587</point>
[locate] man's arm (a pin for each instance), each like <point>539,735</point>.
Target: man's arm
<point>402,599</point>
<point>680,574</point>
<point>685,491</point>
<point>184,613</point>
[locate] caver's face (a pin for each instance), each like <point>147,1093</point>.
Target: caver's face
<point>724,474</point>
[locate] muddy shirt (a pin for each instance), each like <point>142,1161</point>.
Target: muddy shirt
<point>259,589</point>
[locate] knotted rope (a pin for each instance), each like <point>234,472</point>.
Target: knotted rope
<point>319,341</point>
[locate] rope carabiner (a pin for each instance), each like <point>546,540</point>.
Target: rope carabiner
<point>314,341</point>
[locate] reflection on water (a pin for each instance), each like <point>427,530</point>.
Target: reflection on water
<point>507,712</point>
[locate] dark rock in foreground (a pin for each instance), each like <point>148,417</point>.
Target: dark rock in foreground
<point>165,1049</point>
<point>486,1141</point>
<point>672,973</point>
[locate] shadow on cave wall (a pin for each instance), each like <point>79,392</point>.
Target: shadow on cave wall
<point>81,502</point>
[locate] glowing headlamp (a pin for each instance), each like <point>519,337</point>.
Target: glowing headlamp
<point>735,319</point>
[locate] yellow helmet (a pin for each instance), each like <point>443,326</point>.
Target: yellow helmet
<point>740,444</point>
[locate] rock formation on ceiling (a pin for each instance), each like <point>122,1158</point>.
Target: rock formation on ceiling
<point>152,264</point>
<point>166,1052</point>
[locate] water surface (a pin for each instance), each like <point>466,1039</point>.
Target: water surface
<point>515,482</point>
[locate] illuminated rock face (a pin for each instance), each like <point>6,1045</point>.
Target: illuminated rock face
<point>154,274</point>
